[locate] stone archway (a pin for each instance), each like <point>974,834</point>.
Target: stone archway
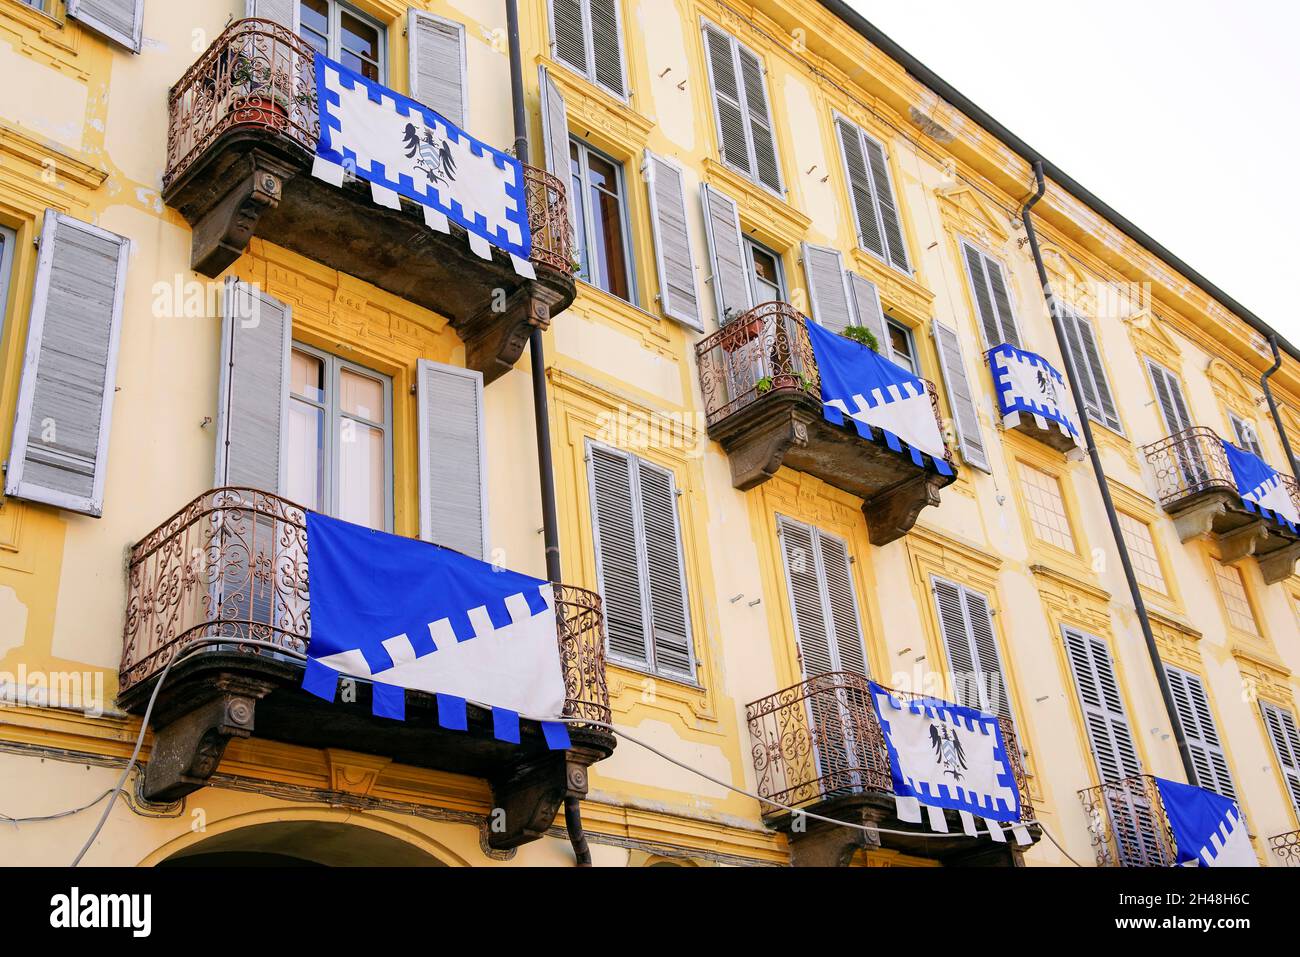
<point>301,843</point>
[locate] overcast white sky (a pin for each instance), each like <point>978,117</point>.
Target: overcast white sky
<point>1181,114</point>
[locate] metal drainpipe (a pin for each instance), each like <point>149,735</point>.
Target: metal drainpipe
<point>1081,405</point>
<point>1272,406</point>
<point>541,406</point>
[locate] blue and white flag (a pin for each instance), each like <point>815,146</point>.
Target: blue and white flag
<point>1208,827</point>
<point>947,756</point>
<point>407,614</point>
<point>874,392</point>
<point>1027,384</point>
<point>1261,488</point>
<point>403,148</point>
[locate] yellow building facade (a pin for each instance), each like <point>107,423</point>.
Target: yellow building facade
<point>717,156</point>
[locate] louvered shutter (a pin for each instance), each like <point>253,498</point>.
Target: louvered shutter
<point>1193,705</point>
<point>886,204</point>
<point>841,603</point>
<point>618,551</point>
<point>826,289</point>
<point>253,389</point>
<point>59,454</point>
<point>437,64</point>
<point>1283,733</point>
<point>867,311</point>
<point>1103,707</point>
<point>1247,437</point>
<point>1087,365</point>
<point>119,20</point>
<point>669,615</point>
<point>674,259</point>
<point>1169,396</point>
<point>555,135</point>
<point>812,630</point>
<point>951,608</point>
<point>859,180</point>
<point>995,693</point>
<point>967,625</point>
<point>992,301</point>
<point>729,114</point>
<point>569,33</point>
<point>283,12</point>
<point>766,169</point>
<point>960,397</point>
<point>607,46</point>
<point>726,254</point>
<point>453,467</point>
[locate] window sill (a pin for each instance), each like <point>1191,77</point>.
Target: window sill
<point>641,672</point>
<point>778,224</point>
<point>594,110</point>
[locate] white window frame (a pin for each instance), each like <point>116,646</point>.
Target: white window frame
<point>333,368</point>
<point>334,40</point>
<point>650,665</point>
<point>913,361</point>
<point>743,98</point>
<point>749,244</point>
<point>1241,428</point>
<point>589,48</point>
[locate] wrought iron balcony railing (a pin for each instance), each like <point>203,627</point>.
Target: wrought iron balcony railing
<point>1128,824</point>
<point>1192,462</point>
<point>258,77</point>
<point>1286,847</point>
<point>763,352</point>
<point>232,565</point>
<point>820,740</point>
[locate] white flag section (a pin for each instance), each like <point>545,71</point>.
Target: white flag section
<point>948,757</point>
<point>404,149</point>
<point>407,614</point>
<point>1260,486</point>
<point>1208,828</point>
<point>1027,384</point>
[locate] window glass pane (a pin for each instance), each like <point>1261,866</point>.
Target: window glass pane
<point>1240,615</point>
<point>608,222</point>
<point>307,377</point>
<point>305,478</point>
<point>1046,508</point>
<point>361,473</point>
<point>314,24</point>
<point>359,37</point>
<point>900,341</point>
<point>361,396</point>
<point>577,193</point>
<point>1142,549</point>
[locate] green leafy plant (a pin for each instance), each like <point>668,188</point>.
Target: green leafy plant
<point>862,336</point>
<point>764,384</point>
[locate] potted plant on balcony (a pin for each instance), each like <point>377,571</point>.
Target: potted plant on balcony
<point>741,329</point>
<point>257,85</point>
<point>862,336</point>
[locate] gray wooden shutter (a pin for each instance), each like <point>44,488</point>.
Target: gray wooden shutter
<point>827,296</point>
<point>569,34</point>
<point>966,621</point>
<point>664,572</point>
<point>886,204</point>
<point>759,118</point>
<point>1103,707</point>
<point>453,466</point>
<point>1247,437</point>
<point>65,399</point>
<point>674,258</point>
<point>119,20</point>
<point>1086,357</point>
<point>992,300</point>
<point>1193,705</point>
<point>841,603</point>
<point>961,399</point>
<point>1169,396</point>
<point>438,74</point>
<point>555,135</point>
<point>615,528</point>
<point>253,389</point>
<point>726,254</point>
<point>283,12</point>
<point>827,628</point>
<point>859,180</point>
<point>728,109</point>
<point>607,46</point>
<point>1286,745</point>
<point>867,311</point>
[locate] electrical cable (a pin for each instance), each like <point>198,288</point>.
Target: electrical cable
<point>280,649</point>
<point>6,819</point>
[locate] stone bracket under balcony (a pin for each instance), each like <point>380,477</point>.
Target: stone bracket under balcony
<point>788,429</point>
<point>240,155</point>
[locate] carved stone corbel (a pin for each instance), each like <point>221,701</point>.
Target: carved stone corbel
<point>891,514</point>
<point>1279,565</point>
<point>187,749</point>
<point>821,844</point>
<point>1242,542</point>
<point>1199,519</point>
<point>528,796</point>
<point>495,337</point>
<point>221,233</point>
<point>756,454</point>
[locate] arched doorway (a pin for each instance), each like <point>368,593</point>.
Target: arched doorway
<point>301,844</point>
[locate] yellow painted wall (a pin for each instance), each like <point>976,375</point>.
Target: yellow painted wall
<point>93,145</point>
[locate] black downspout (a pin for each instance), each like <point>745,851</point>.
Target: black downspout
<point>1081,405</point>
<point>1272,406</point>
<point>541,405</point>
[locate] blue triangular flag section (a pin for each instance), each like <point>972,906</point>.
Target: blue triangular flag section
<point>1208,828</point>
<point>864,386</point>
<point>406,614</point>
<point>1261,488</point>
